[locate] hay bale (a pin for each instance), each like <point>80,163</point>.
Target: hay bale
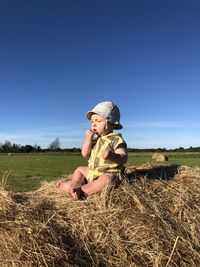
<point>160,157</point>
<point>155,155</point>
<point>148,222</point>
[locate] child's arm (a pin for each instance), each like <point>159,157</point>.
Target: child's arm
<point>87,146</point>
<point>119,156</point>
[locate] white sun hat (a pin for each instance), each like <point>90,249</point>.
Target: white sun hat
<point>108,110</point>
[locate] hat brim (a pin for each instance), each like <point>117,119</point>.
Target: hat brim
<point>89,114</point>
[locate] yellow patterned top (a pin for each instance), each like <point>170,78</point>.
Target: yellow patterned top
<point>97,164</point>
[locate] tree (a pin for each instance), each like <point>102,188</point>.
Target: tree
<point>37,148</point>
<point>28,148</point>
<point>55,145</point>
<point>7,146</point>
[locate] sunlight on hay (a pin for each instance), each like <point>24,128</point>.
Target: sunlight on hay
<point>160,157</point>
<point>146,221</point>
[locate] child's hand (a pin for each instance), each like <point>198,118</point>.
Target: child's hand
<point>107,153</point>
<point>89,134</point>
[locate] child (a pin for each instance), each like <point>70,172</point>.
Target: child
<point>106,157</point>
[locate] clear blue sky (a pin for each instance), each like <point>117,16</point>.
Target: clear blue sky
<point>60,58</point>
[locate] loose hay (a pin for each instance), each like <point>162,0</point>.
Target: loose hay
<point>146,221</point>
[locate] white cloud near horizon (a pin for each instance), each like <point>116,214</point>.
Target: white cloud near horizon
<point>145,140</point>
<point>161,124</point>
<point>164,134</point>
<point>69,135</point>
<point>152,134</point>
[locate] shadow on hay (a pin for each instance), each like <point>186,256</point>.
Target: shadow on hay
<point>165,173</point>
<point>20,198</point>
<point>77,254</point>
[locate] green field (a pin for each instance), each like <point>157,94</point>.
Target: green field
<point>25,172</point>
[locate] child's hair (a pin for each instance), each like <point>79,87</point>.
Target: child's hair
<point>110,125</point>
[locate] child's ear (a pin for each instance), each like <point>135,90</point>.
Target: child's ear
<point>110,125</point>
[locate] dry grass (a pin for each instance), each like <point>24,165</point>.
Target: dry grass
<point>146,221</point>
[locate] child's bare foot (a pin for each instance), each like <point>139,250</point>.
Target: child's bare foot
<point>58,183</point>
<point>65,186</point>
<point>77,193</point>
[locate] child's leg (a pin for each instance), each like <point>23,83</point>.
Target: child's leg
<point>77,178</point>
<point>99,184</point>
<point>79,174</point>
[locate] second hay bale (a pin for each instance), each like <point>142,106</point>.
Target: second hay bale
<point>160,157</point>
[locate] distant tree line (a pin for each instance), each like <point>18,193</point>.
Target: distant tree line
<point>180,149</point>
<point>55,146</point>
<point>8,147</point>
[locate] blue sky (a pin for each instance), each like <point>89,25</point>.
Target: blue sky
<point>60,58</point>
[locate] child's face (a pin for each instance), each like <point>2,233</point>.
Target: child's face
<point>100,125</point>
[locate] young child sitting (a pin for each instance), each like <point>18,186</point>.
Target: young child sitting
<point>107,154</point>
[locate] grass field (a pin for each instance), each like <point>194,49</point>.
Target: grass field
<point>25,172</point>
